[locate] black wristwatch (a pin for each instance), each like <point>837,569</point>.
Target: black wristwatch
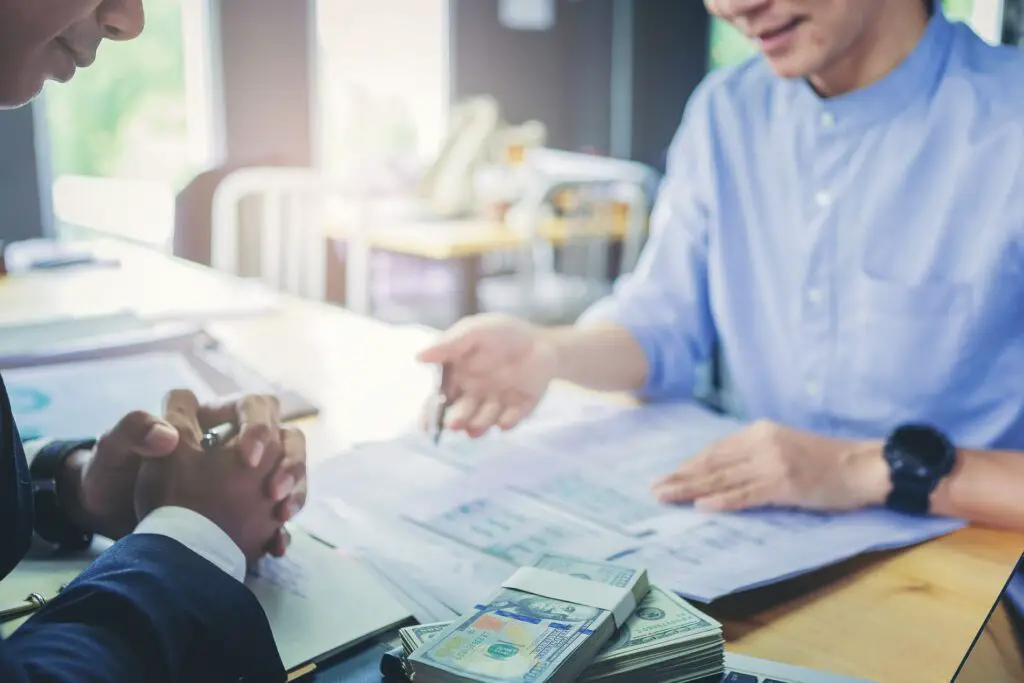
<point>919,457</point>
<point>52,523</point>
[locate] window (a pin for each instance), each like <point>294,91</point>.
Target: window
<point>123,134</point>
<point>727,46</point>
<point>959,10</point>
<point>383,69</point>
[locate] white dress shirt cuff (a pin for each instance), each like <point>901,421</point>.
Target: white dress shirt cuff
<point>197,533</point>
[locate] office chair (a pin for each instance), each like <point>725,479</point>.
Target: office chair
<point>289,227</point>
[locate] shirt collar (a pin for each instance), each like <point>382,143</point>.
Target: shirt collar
<point>916,76</point>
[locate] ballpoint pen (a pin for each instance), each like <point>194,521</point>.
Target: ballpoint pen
<point>33,602</point>
<point>29,605</point>
<point>441,402</point>
<point>215,436</point>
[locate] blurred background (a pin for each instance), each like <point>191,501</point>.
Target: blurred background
<point>415,160</point>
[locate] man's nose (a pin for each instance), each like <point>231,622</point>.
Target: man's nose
<point>121,19</point>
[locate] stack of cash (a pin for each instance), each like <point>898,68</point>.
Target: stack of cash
<point>665,640</point>
<point>518,636</point>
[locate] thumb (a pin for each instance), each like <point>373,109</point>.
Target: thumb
<point>448,349</point>
<point>142,434</point>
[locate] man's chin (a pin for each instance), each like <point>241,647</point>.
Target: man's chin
<point>790,66</point>
<point>14,95</point>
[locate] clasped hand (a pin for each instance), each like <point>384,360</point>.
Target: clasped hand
<point>250,486</point>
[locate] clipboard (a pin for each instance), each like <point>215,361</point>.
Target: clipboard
<point>224,372</point>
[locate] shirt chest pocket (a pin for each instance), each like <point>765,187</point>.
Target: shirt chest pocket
<point>907,341</point>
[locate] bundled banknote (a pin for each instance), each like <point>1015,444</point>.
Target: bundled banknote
<point>665,640</point>
<point>529,636</point>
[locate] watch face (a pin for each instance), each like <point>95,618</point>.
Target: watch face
<point>919,449</point>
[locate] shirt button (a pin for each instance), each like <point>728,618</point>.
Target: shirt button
<point>815,296</point>
<point>812,389</point>
<point>823,199</point>
<point>828,120</point>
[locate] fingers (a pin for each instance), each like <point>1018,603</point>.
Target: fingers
<point>722,466</point>
<point>687,487</point>
<point>453,346</point>
<point>733,500</point>
<point>703,465</point>
<point>139,433</point>
<point>278,545</point>
<point>181,410</point>
<point>259,418</point>
<point>485,417</point>
<point>511,416</point>
<point>291,472</point>
<point>286,510</point>
<point>462,411</point>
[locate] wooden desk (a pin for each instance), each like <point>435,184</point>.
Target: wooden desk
<point>903,617</point>
<point>454,239</point>
<point>465,242</point>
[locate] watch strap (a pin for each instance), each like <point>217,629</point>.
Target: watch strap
<point>913,484</point>
<point>51,520</point>
<point>910,495</point>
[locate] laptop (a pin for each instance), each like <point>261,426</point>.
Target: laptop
<point>997,653</point>
<point>742,669</point>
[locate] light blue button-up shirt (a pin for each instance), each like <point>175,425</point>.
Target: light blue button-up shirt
<point>859,259</point>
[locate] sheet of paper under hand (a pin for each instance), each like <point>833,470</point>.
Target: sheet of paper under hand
<point>597,475</point>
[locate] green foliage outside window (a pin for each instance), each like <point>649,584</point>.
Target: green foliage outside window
<point>728,46</point>
<point>135,92</point>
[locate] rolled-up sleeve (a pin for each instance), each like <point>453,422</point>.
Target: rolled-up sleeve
<point>664,302</point>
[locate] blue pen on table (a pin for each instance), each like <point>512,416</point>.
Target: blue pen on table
<point>216,436</point>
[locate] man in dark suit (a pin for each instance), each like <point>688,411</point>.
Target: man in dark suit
<point>167,602</point>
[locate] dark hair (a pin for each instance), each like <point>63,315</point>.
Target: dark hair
<point>930,6</point>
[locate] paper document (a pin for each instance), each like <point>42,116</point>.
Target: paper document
<point>601,471</point>
<point>83,399</point>
<point>34,337</point>
<point>582,487</point>
<point>509,526</point>
<point>704,556</point>
<point>380,476</point>
<point>560,406</point>
<point>319,601</point>
<point>430,569</point>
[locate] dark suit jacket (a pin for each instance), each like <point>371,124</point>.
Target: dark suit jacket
<point>149,610</point>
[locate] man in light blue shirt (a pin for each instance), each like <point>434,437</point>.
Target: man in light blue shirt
<point>843,217</point>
